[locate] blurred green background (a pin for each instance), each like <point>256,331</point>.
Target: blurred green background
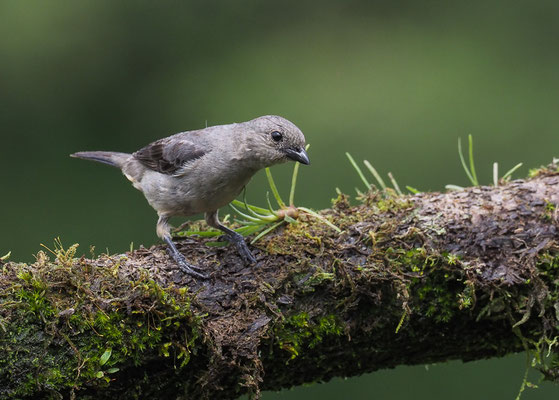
<point>393,82</point>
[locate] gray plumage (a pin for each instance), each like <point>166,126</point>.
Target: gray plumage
<point>203,170</point>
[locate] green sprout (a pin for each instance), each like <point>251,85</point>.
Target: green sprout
<point>469,168</point>
<point>261,220</point>
<point>6,256</point>
<point>384,188</point>
<point>362,175</point>
<point>508,174</point>
<point>63,256</point>
<point>471,171</point>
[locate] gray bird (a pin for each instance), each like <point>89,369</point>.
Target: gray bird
<point>203,170</point>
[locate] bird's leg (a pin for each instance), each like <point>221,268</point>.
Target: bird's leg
<point>233,237</point>
<point>184,265</point>
<point>164,232</point>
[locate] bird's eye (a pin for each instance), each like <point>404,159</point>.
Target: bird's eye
<point>277,136</point>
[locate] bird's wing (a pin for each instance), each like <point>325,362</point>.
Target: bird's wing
<point>169,155</point>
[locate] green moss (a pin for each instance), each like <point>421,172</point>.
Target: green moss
<point>300,331</point>
<point>308,284</point>
<point>416,260</point>
<point>548,264</point>
<point>392,204</point>
<point>466,298</point>
<point>535,172</point>
<point>436,302</point>
<point>548,268</point>
<point>549,211</point>
<point>431,282</point>
<point>104,324</point>
<point>543,170</point>
<point>341,202</point>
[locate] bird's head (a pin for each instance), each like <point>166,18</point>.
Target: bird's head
<point>274,140</point>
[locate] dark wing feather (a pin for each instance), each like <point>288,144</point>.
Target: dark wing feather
<point>168,156</point>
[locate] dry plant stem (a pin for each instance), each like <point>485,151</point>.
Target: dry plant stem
<point>463,275</point>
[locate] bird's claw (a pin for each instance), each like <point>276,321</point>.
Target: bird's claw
<point>184,265</point>
<point>190,269</point>
<point>242,248</point>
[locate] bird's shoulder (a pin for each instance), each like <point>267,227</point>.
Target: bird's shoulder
<point>169,155</point>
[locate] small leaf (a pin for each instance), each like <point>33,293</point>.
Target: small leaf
<point>463,161</point>
<point>359,172</point>
<point>510,171</point>
<point>250,229</point>
<point>294,179</point>
<point>99,374</point>
<point>274,188</point>
<point>113,370</point>
<point>248,217</point>
<point>395,184</point>
<point>320,217</point>
<point>454,187</point>
<point>105,357</point>
<point>242,204</point>
<point>289,219</point>
<point>471,154</point>
<point>413,190</point>
<point>375,174</point>
<point>266,231</point>
<point>401,321</point>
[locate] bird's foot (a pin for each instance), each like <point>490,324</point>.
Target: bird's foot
<point>184,265</point>
<point>239,241</point>
<point>190,269</point>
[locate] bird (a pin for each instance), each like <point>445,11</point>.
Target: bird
<point>200,171</point>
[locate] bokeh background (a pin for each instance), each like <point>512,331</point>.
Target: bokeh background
<point>393,82</point>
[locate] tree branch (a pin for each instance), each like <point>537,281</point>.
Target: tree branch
<point>410,280</point>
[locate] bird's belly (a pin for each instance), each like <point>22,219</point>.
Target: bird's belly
<point>185,196</point>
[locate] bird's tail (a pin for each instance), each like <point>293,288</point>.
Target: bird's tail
<point>112,158</point>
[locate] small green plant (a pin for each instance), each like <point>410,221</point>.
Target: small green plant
<point>63,256</point>
<point>471,170</point>
<point>383,187</point>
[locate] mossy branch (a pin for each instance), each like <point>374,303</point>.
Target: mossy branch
<point>410,280</point>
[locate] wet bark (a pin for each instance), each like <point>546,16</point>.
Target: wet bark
<point>410,280</point>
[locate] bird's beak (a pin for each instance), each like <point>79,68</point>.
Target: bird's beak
<point>298,155</point>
